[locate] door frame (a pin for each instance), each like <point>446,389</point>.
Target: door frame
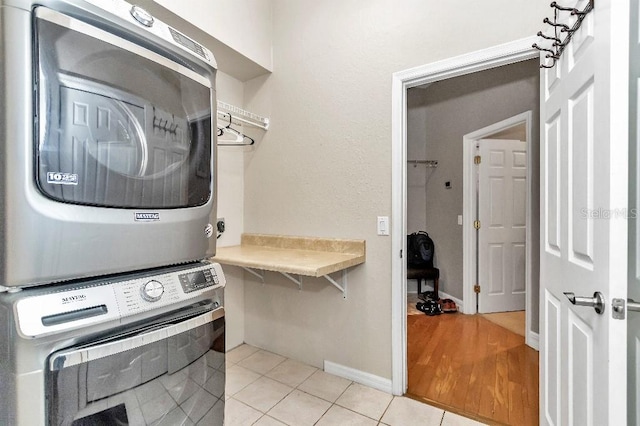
<point>469,205</point>
<point>504,54</point>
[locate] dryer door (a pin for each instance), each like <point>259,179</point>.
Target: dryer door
<point>171,370</point>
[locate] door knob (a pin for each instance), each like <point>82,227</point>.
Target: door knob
<point>596,302</point>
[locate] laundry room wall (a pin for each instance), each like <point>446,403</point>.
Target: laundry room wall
<point>439,117</point>
<point>324,167</point>
<point>230,187</point>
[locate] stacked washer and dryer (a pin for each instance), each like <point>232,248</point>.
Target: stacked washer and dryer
<point>109,311</point>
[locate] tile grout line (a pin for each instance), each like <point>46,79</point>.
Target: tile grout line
<point>393,397</point>
<point>297,387</point>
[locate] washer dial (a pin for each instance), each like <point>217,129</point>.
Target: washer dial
<point>152,291</point>
<point>142,16</point>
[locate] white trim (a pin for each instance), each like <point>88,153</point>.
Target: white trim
<point>533,340</point>
<point>399,373</point>
<point>492,57</point>
<point>469,203</point>
<point>358,376</point>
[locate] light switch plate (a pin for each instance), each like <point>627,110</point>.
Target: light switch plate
<point>383,225</point>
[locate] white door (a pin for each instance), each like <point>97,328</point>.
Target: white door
<point>633,324</point>
<point>502,207</point>
<point>583,229</point>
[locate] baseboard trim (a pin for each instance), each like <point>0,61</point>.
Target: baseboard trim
<point>533,340</point>
<point>358,376</point>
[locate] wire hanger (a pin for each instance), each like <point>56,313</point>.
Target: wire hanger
<point>239,138</point>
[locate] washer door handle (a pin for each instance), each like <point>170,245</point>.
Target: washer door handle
<point>596,302</point>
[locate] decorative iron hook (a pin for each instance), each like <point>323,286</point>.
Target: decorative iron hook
<point>558,44</point>
<point>555,24</point>
<point>556,40</point>
<point>553,64</point>
<point>535,46</point>
<point>588,8</point>
<point>563,8</point>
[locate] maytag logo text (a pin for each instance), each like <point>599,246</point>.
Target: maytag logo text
<point>147,217</point>
<point>72,299</point>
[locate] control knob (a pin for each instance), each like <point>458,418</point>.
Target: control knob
<point>152,291</point>
<point>142,16</point>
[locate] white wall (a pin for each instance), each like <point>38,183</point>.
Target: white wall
<point>231,208</point>
<point>324,167</point>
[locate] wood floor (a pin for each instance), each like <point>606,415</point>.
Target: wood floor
<point>474,367</point>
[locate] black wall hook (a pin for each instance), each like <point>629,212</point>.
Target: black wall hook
<point>563,8</point>
<point>558,44</point>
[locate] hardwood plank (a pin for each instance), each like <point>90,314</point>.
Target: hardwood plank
<point>501,392</point>
<point>516,406</point>
<point>462,367</point>
<point>489,372</point>
<point>480,346</point>
<point>468,365</point>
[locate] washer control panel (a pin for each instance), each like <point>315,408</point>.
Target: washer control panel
<point>197,280</point>
<point>151,292</point>
<point>96,302</point>
<point>145,20</point>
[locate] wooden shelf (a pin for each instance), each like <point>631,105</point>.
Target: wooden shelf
<point>303,256</point>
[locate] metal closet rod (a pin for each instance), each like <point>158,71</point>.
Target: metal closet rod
<point>242,116</point>
<point>428,163</point>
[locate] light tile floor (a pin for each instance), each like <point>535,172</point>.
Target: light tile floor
<point>266,389</point>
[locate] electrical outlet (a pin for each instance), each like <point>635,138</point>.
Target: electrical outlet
<point>220,225</point>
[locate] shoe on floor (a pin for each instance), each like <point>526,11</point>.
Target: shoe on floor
<point>448,306</point>
<point>429,307</point>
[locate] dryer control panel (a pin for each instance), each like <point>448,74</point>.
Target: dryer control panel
<point>91,303</point>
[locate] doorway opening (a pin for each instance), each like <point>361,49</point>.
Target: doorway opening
<point>509,53</point>
<point>514,292</point>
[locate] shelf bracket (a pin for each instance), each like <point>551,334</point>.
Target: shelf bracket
<point>298,281</point>
<point>342,287</point>
<point>254,273</point>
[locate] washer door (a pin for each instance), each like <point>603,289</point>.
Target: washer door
<point>171,370</point>
<point>118,124</point>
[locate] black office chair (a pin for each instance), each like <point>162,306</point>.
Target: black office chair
<point>420,274</point>
<point>420,262</point>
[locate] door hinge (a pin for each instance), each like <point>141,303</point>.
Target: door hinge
<point>476,224</point>
<point>477,159</point>
<point>476,288</point>
<point>400,253</point>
